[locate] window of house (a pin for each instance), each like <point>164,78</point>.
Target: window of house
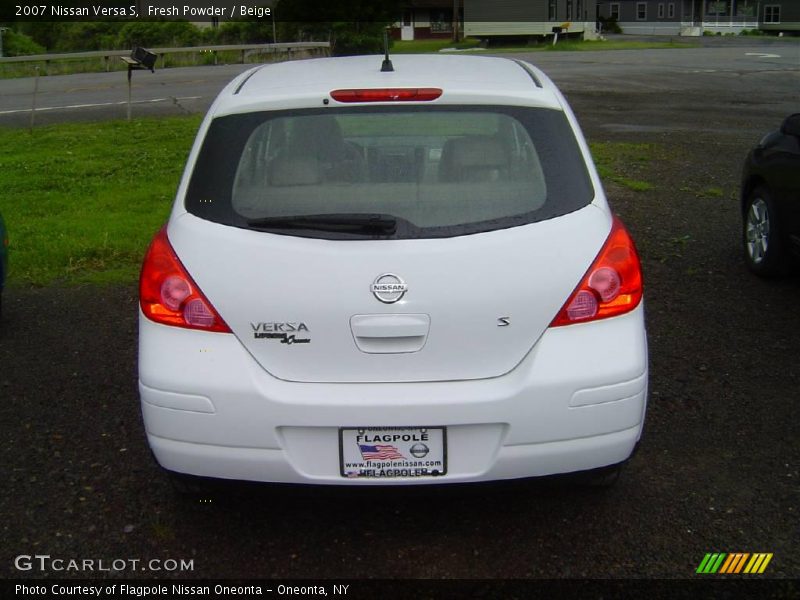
<point>671,10</point>
<point>441,20</point>
<point>746,8</point>
<point>614,11</point>
<point>661,10</point>
<point>641,11</point>
<point>552,14</point>
<point>772,13</point>
<point>718,8</point>
<point>569,10</point>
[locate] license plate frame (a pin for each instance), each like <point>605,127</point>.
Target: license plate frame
<point>419,449</point>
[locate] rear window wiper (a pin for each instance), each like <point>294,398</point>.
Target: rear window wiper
<point>363,223</point>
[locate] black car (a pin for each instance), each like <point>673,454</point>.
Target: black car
<point>771,201</point>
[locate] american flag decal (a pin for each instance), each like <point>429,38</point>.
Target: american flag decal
<point>379,452</point>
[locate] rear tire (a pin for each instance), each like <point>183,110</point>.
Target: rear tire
<point>604,477</point>
<point>191,487</point>
<point>763,249</point>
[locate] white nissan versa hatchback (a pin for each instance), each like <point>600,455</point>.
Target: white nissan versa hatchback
<point>399,277</point>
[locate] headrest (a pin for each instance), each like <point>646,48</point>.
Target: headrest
<point>466,158</point>
<point>294,171</point>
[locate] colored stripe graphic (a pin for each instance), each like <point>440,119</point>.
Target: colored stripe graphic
<point>738,567</point>
<point>703,563</point>
<point>711,562</point>
<point>758,563</point>
<point>734,562</point>
<point>727,564</point>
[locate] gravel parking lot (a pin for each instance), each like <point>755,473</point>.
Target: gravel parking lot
<point>718,470</point>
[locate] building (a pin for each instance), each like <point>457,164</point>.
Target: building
<point>693,17</point>
<point>428,19</point>
<point>487,18</point>
<point>780,16</point>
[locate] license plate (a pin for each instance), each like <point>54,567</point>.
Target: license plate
<point>392,452</point>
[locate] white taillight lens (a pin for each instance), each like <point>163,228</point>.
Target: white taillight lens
<point>605,281</point>
<point>198,314</point>
<point>174,291</point>
<point>583,306</point>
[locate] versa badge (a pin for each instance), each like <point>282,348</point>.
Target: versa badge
<point>285,332</point>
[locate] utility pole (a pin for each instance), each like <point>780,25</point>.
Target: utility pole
<point>456,21</point>
<point>2,30</point>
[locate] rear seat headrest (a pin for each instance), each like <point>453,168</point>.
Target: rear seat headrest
<point>295,171</point>
<point>467,158</point>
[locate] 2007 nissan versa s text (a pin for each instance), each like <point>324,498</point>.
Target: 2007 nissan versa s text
<point>403,277</point>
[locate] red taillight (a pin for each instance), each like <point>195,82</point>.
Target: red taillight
<point>612,286</point>
<point>169,295</point>
<point>387,95</point>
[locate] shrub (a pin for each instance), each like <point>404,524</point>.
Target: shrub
<point>19,44</point>
<point>245,32</point>
<point>609,25</point>
<point>158,33</point>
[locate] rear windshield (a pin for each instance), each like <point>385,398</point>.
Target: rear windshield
<point>411,172</point>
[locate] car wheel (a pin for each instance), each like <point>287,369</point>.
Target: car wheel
<point>604,477</point>
<point>191,487</point>
<point>762,245</point>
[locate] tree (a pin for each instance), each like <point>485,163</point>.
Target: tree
<point>19,44</point>
<point>351,26</point>
<point>245,32</point>
<point>158,33</point>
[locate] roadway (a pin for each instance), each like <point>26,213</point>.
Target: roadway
<point>737,73</point>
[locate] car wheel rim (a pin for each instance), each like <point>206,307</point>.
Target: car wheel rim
<point>757,231</point>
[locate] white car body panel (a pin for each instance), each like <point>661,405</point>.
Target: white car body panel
<point>522,424</point>
<point>520,400</point>
<point>463,284</point>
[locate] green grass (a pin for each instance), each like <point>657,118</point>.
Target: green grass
<point>194,58</point>
<point>637,185</point>
<point>428,46</point>
<point>81,201</point>
<point>624,163</point>
<point>546,44</point>
<point>712,192</point>
<point>594,45</point>
<point>98,65</point>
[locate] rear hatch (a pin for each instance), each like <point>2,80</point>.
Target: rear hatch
<point>389,244</point>
<point>473,306</point>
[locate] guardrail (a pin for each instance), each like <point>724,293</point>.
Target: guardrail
<point>315,48</point>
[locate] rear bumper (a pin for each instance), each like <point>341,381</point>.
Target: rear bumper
<point>576,402</point>
<point>511,462</point>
